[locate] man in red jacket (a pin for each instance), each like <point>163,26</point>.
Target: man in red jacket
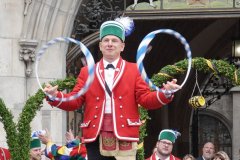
<point>111,119</point>
<point>164,146</point>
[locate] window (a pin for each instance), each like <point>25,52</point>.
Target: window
<point>213,130</point>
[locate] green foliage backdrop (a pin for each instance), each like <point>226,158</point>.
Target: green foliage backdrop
<point>18,134</point>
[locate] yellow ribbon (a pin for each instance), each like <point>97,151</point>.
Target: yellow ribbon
<point>164,74</point>
<point>210,65</point>
<point>140,145</point>
<point>235,76</point>
<point>178,69</point>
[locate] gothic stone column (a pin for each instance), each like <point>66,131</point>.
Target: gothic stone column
<point>236,123</point>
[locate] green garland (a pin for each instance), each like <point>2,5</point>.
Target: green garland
<point>143,132</point>
<point>9,127</point>
<point>18,135</point>
<point>218,67</point>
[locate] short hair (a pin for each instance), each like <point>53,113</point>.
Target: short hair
<point>188,156</point>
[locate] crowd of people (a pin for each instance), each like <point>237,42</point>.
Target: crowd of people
<point>72,150</point>
<point>75,150</point>
<point>208,153</point>
<point>164,147</point>
<point>111,119</point>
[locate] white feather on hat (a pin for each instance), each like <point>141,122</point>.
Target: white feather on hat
<point>128,24</point>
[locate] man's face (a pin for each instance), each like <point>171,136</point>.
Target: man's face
<point>208,151</point>
<point>164,147</point>
<point>111,47</point>
<point>35,153</point>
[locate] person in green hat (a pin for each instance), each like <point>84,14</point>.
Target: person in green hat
<point>111,118</point>
<point>164,146</point>
<point>35,149</point>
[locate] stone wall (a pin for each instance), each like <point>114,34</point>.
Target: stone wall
<point>25,26</point>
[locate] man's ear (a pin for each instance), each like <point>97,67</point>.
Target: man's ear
<point>123,46</point>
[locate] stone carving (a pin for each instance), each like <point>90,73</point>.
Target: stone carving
<point>27,4</point>
<point>93,13</point>
<point>214,88</point>
<point>27,54</point>
<point>136,2</point>
<point>237,3</point>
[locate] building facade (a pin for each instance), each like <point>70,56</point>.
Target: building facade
<point>209,26</point>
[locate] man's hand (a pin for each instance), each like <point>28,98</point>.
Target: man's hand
<point>45,138</point>
<point>69,136</point>
<point>52,90</point>
<point>171,86</point>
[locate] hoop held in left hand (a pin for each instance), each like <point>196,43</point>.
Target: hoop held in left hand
<point>142,50</point>
<point>90,63</point>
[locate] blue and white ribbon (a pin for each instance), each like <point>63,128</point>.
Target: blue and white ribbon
<point>90,62</point>
<point>142,49</point>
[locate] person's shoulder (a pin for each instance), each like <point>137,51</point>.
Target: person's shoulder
<point>199,158</point>
<point>84,69</point>
<point>131,64</point>
<point>174,157</point>
<point>149,157</point>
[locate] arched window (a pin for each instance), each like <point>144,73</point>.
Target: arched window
<point>213,129</point>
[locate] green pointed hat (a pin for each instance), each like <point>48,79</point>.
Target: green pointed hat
<point>168,134</point>
<point>112,28</point>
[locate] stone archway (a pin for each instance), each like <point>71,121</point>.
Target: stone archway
<point>43,21</point>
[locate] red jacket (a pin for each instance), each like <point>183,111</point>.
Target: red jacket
<point>153,157</point>
<point>4,154</point>
<point>129,90</point>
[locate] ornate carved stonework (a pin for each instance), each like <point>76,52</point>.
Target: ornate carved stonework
<point>27,54</point>
<point>27,4</point>
<point>93,13</point>
<point>136,2</point>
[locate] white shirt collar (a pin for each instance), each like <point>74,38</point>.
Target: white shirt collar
<point>114,63</point>
<point>157,158</point>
